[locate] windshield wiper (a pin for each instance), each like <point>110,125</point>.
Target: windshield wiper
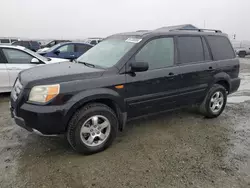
<point>87,64</point>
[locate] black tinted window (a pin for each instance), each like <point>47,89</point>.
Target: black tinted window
<point>82,48</point>
<point>206,51</point>
<point>34,44</point>
<point>220,47</point>
<point>2,59</point>
<point>158,53</point>
<point>190,49</point>
<point>4,41</point>
<point>93,42</point>
<point>17,43</point>
<point>25,44</point>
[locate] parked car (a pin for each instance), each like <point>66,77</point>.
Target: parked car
<point>242,52</point>
<point>50,44</point>
<point>32,45</point>
<point>68,50</point>
<point>13,59</point>
<point>7,41</point>
<point>93,41</point>
<point>126,76</point>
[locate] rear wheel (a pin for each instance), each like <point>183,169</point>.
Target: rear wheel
<point>215,102</point>
<point>242,54</point>
<point>92,129</point>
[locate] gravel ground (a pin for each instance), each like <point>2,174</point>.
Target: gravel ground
<point>177,149</point>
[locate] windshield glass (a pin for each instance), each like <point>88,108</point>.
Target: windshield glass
<point>107,53</point>
<point>36,55</point>
<point>54,47</point>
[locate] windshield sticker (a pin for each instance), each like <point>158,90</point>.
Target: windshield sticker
<point>133,40</point>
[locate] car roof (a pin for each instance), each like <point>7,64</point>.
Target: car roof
<point>13,47</point>
<point>170,31</point>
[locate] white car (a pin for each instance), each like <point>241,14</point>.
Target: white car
<point>14,59</point>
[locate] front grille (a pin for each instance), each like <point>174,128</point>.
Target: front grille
<point>16,90</point>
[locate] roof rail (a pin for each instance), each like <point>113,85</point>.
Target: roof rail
<point>198,30</point>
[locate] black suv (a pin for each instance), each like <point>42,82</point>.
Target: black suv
<point>125,76</point>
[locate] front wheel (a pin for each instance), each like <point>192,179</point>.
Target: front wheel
<point>92,129</point>
<point>215,102</point>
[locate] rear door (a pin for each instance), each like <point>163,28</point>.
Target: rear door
<point>81,49</point>
<point>4,75</point>
<point>66,51</point>
<point>17,60</point>
<point>196,67</point>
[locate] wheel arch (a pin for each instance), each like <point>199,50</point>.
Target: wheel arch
<point>223,79</point>
<point>105,96</point>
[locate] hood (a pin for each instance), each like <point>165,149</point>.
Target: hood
<point>56,60</point>
<point>57,73</point>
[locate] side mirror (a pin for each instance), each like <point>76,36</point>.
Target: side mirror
<point>57,52</point>
<point>35,61</point>
<point>139,66</point>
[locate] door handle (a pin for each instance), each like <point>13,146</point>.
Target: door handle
<point>210,68</point>
<point>171,74</point>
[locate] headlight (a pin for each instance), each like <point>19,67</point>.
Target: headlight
<point>44,93</point>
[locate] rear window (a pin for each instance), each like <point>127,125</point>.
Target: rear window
<point>34,43</point>
<point>4,41</point>
<point>190,49</point>
<point>220,47</point>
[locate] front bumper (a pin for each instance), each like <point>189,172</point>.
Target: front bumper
<point>43,120</point>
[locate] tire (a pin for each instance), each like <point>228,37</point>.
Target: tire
<point>83,118</point>
<point>242,54</point>
<point>207,105</point>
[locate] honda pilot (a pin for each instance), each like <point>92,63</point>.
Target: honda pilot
<point>126,76</point>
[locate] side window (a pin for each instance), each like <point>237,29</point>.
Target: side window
<point>2,58</point>
<point>220,47</point>
<point>17,43</point>
<point>67,48</point>
<point>4,41</point>
<point>26,44</point>
<point>206,51</point>
<point>82,47</point>
<point>190,49</point>
<point>17,56</point>
<point>93,42</point>
<point>158,53</point>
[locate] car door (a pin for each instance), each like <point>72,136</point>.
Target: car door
<point>17,61</point>
<point>81,49</point>
<point>156,89</point>
<point>4,75</point>
<point>196,67</point>
<point>66,51</point>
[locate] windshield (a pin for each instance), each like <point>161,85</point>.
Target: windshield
<point>53,47</point>
<point>107,53</point>
<point>36,55</point>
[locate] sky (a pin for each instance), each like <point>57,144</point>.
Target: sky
<point>77,19</point>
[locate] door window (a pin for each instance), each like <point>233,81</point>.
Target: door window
<point>2,59</point>
<point>220,47</point>
<point>4,41</point>
<point>16,56</point>
<point>82,48</point>
<point>158,53</point>
<point>67,48</point>
<point>190,49</point>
